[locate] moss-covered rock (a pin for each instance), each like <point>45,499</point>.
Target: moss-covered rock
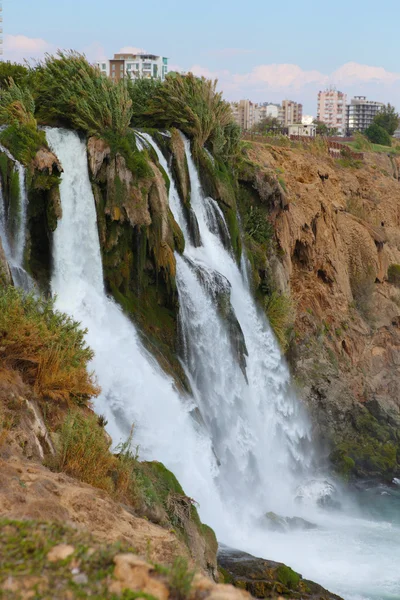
<point>138,236</point>
<point>266,578</point>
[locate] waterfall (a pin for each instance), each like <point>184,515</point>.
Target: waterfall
<point>14,246</point>
<point>259,432</point>
<point>134,389</point>
<point>255,423</point>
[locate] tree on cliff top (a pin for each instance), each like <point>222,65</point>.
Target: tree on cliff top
<point>269,124</point>
<point>388,119</point>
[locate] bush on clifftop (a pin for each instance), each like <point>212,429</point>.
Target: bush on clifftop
<point>69,90</point>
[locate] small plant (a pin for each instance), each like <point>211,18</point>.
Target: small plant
<point>180,579</point>
<point>362,287</point>
<point>257,226</point>
<point>280,311</point>
<point>355,207</point>
<point>84,450</point>
<point>394,274</point>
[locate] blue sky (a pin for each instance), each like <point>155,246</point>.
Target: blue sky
<point>262,50</point>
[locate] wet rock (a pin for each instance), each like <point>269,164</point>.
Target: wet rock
<point>194,230</point>
<point>5,273</point>
<point>278,523</point>
<point>266,578</point>
<point>219,289</point>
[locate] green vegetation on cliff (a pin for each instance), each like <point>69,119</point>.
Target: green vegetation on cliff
<point>17,110</point>
<point>191,104</point>
<point>71,91</point>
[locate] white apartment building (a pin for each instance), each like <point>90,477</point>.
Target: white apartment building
<point>135,65</point>
<point>361,113</point>
<point>332,109</point>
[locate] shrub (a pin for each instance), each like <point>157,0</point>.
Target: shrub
<point>394,274</point>
<point>70,90</point>
<point>362,287</point>
<point>193,105</point>
<point>46,346</point>
<point>21,137</point>
<point>378,135</point>
<point>361,143</point>
<point>8,70</point>
<point>23,141</point>
<point>281,313</point>
<point>257,226</point>
<point>84,450</point>
<point>355,207</point>
<point>16,105</point>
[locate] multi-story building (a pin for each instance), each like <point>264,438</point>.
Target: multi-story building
<point>267,110</point>
<point>244,113</point>
<point>360,114</point>
<point>135,65</point>
<point>290,113</point>
<point>332,109</point>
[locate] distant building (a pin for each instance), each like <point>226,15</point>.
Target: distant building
<point>302,130</point>
<point>332,109</point>
<point>267,110</point>
<point>247,113</point>
<point>135,65</point>
<point>307,119</point>
<point>290,113</point>
<point>361,113</point>
<point>244,113</point>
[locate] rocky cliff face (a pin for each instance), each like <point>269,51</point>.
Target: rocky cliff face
<point>338,243</point>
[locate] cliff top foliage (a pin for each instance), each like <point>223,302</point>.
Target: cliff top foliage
<point>191,104</point>
<point>46,347</point>
<point>17,110</point>
<point>70,90</point>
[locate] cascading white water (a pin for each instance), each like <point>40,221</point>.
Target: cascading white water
<point>257,426</point>
<point>134,389</point>
<point>14,247</point>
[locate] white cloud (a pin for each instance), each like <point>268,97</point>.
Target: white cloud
<point>131,50</point>
<point>352,72</point>
<point>18,48</point>
<point>280,76</point>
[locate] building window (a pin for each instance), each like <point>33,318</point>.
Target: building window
<point>104,67</point>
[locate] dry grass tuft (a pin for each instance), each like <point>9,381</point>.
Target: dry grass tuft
<point>46,347</point>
